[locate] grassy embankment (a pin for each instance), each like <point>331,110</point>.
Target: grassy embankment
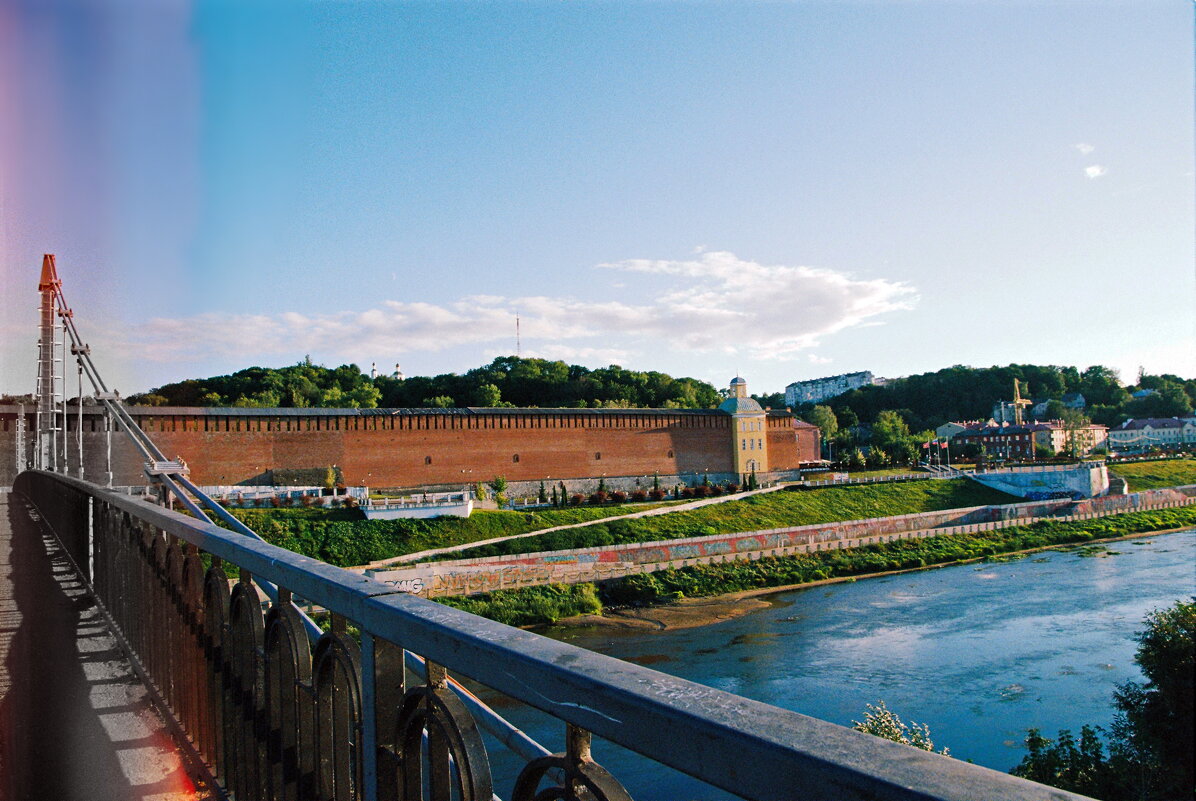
<point>1156,475</point>
<point>344,538</point>
<point>758,512</point>
<point>548,604</point>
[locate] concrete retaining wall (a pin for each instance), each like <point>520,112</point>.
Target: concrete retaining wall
<point>1086,480</point>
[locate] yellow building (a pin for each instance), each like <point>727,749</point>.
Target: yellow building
<point>748,428</point>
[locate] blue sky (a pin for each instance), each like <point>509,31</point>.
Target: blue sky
<point>783,190</point>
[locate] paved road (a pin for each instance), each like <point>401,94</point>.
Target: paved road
<point>75,723</point>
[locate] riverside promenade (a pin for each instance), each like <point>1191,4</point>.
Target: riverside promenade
<point>76,724</point>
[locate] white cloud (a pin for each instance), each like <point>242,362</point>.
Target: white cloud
<point>1095,170</point>
<point>1084,148</point>
<point>714,302</point>
<point>816,359</point>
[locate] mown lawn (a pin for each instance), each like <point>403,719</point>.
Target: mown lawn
<point>769,510</point>
<point>1156,475</point>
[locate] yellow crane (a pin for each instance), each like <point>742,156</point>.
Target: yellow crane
<point>1019,402</point>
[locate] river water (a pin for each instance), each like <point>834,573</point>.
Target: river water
<point>980,652</point>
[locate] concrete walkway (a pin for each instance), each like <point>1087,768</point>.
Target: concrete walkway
<point>75,723</point>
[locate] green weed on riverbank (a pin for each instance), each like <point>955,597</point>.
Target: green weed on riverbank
<point>550,603</point>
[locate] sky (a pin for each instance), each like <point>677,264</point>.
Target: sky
<point>781,191</point>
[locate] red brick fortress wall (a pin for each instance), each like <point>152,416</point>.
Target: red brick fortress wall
<point>791,442</point>
<point>418,447</point>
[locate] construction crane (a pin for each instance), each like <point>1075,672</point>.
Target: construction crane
<point>1019,402</point>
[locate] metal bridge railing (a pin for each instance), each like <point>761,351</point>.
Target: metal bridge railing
<point>276,716</point>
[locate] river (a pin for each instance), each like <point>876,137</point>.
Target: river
<point>979,652</point>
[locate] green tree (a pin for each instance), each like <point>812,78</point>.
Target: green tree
<point>440,402</point>
<point>499,487</point>
<point>774,400</point>
<point>1080,767</point>
<point>1055,410</point>
<point>1157,717</point>
<point>877,457</point>
<point>890,432</point>
<point>364,396</point>
<point>824,418</point>
<point>543,496</point>
<point>486,395</point>
<point>1102,385</point>
<point>1075,423</point>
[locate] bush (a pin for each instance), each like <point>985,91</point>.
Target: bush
<point>598,497</point>
<point>618,497</point>
<point>656,494</point>
<point>575,499</point>
<point>879,721</point>
<point>688,492</point>
<point>732,488</point>
<point>639,496</point>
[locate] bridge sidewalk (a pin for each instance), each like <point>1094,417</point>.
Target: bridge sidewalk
<point>75,722</point>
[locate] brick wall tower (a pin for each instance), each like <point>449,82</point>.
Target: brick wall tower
<point>749,435</point>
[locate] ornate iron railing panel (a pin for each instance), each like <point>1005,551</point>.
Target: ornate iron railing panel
<point>277,717</point>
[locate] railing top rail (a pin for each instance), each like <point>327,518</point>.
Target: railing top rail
<point>746,747</point>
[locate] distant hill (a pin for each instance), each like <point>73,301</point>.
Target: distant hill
<point>506,381</point>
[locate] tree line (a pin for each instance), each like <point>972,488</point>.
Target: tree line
<point>928,400</point>
<point>883,425</point>
<point>508,381</point>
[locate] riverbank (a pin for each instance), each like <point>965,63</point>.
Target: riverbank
<point>688,613</point>
<point>704,593</point>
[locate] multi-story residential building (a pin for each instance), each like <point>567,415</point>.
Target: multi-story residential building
<point>819,389</point>
<point>1024,441</point>
<point>1153,432</point>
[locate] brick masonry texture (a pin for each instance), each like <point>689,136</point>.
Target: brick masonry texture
<point>414,448</point>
